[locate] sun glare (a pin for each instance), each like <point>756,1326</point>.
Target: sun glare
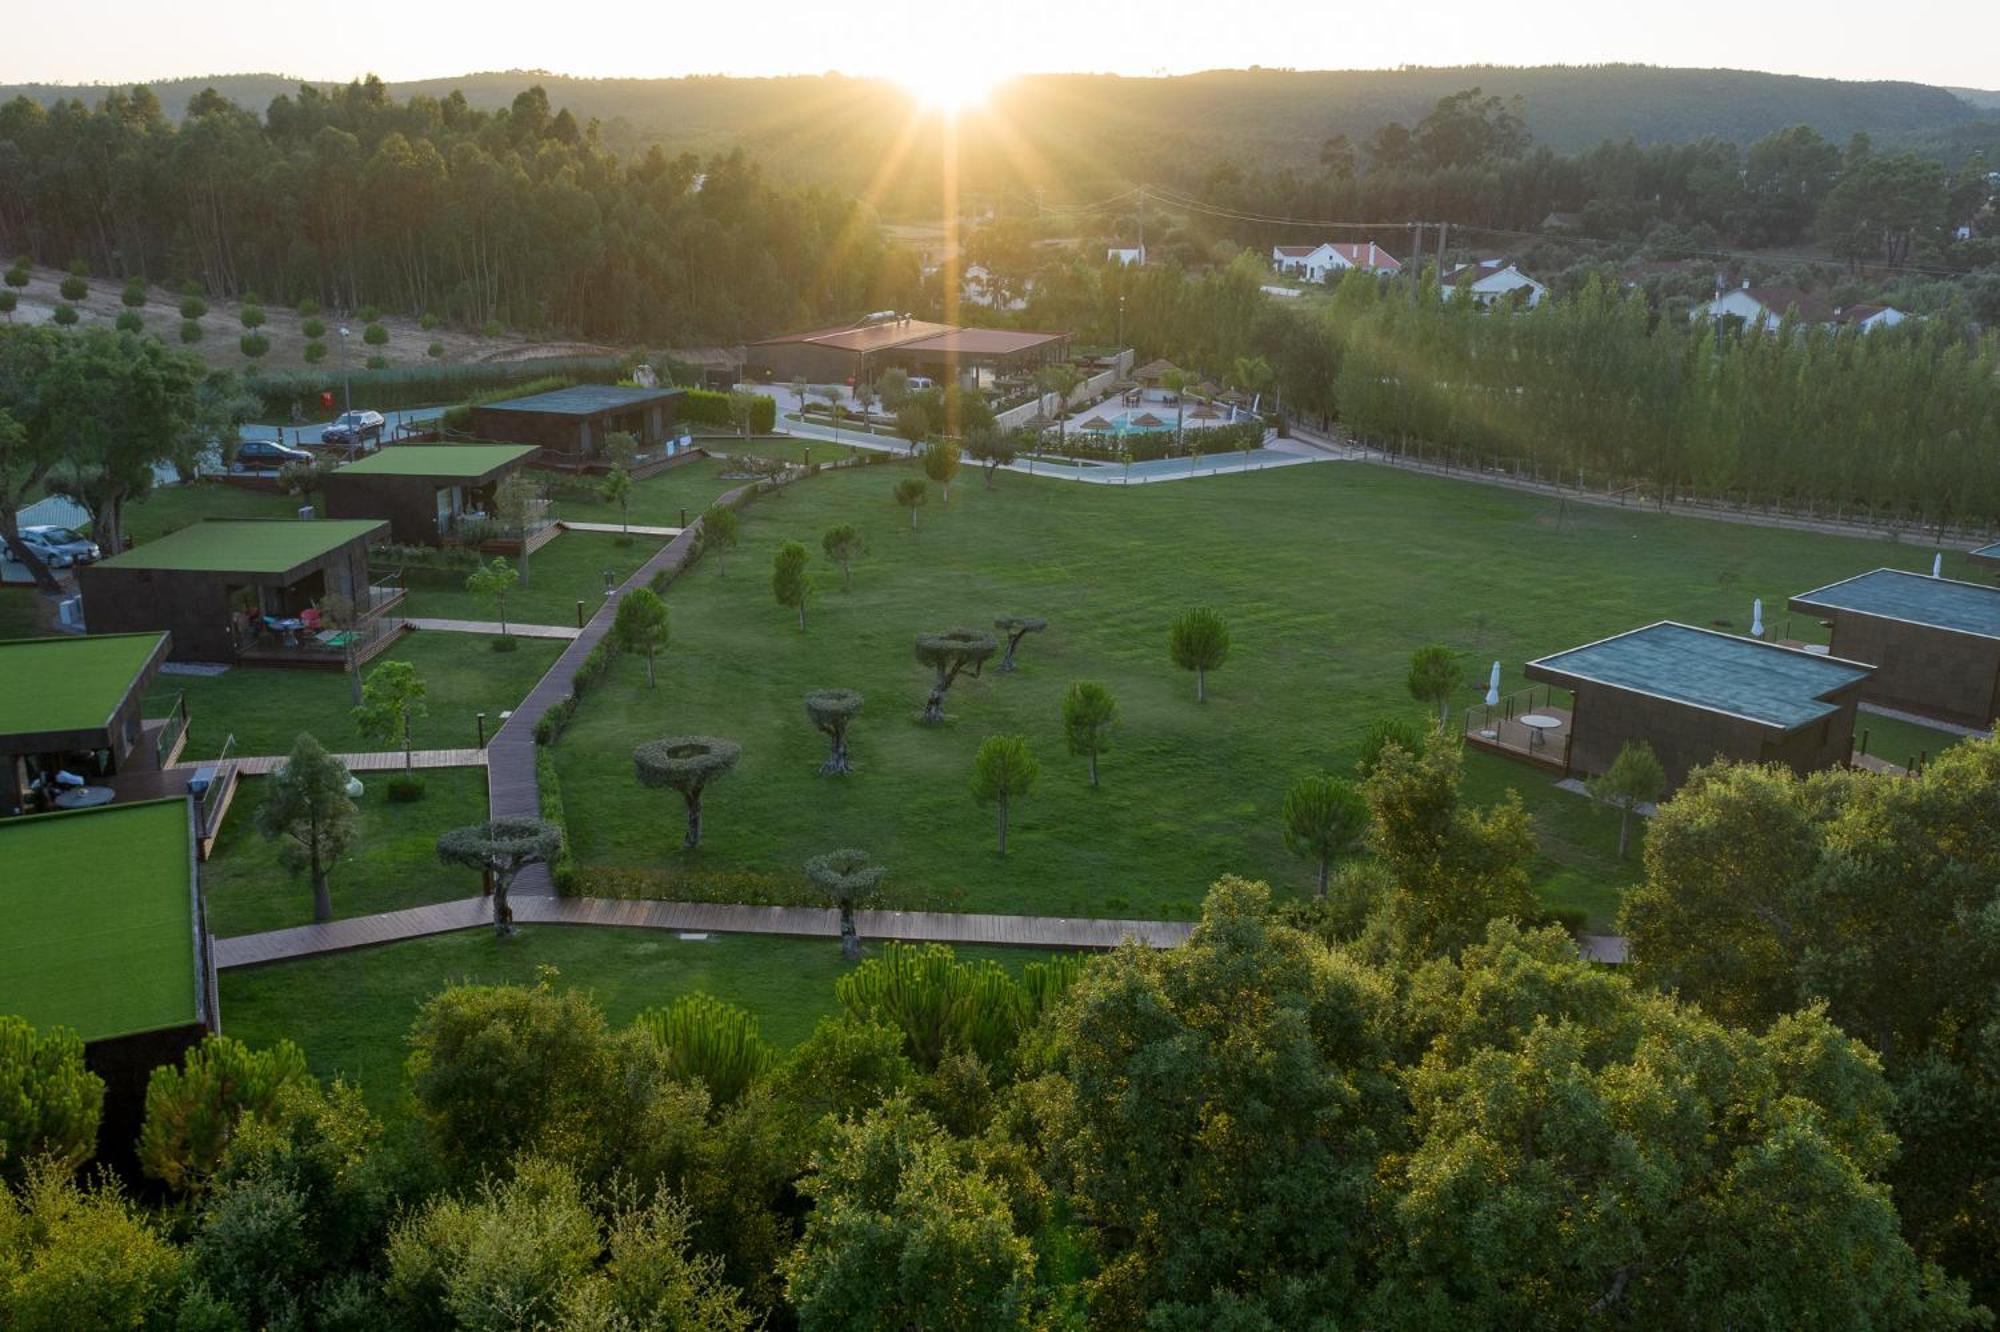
<point>951,87</point>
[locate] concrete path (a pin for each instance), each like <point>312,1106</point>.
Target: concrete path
<point>258,765</point>
<point>494,627</point>
<point>618,529</point>
<point>1918,719</point>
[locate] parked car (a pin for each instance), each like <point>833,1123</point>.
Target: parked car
<point>354,430</point>
<point>255,454</point>
<point>60,547</point>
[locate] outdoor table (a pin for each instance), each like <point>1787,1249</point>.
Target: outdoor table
<point>84,797</point>
<point>1537,722</point>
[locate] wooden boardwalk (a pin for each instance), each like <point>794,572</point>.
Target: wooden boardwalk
<point>249,950</point>
<point>619,529</point>
<point>495,628</point>
<point>391,760</point>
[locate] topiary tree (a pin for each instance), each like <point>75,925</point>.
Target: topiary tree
<point>252,316</point>
<point>131,321</point>
<point>370,313</point>
<point>1199,642</point>
<point>947,654</point>
<point>50,1103</point>
<point>641,626</point>
<point>712,1042</point>
<point>308,308</point>
<point>190,330</point>
<point>254,345</point>
<point>1324,816</point>
<point>492,328</point>
<point>17,274</point>
<point>1436,673</point>
<point>1635,778</point>
<point>1089,712</point>
<point>313,328</point>
<point>1002,771</point>
<point>74,288</point>
<point>791,580</point>
<point>134,295</point>
<point>435,351</point>
<point>315,352</point>
<point>941,465</point>
<point>910,494</point>
<point>494,582</point>
<point>193,1111</point>
<point>427,322</point>
<point>686,763</point>
<point>381,363</point>
<point>65,314</point>
<point>391,700</point>
<point>375,335</point>
<point>1016,627</point>
<point>833,711</point>
<point>500,849</point>
<point>193,307</point>
<point>9,302</point>
<point>841,544</point>
<point>718,532</point>
<point>847,878</point>
<point>306,810</point>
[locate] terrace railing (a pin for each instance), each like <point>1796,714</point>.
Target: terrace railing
<point>208,810</point>
<point>170,733</point>
<point>1498,725</point>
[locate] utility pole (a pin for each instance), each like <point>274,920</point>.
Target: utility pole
<point>1442,228</point>
<point>1142,226</point>
<point>1416,268</point>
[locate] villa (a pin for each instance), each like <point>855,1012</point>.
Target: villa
<point>1935,641</point>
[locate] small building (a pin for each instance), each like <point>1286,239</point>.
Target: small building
<point>1316,263</point>
<point>1696,695</point>
<point>1765,307</point>
<point>252,590</point>
<point>106,935</point>
<point>569,424</point>
<point>425,491</point>
<point>858,353</point>
<point>72,717</point>
<point>1491,280</point>
<point>1935,642</point>
<point>1126,256</point>
<point>1867,316</point>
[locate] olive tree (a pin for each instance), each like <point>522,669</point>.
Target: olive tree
<point>1436,673</point>
<point>718,532</point>
<point>833,711</point>
<point>1635,778</point>
<point>616,488</point>
<point>1324,817</point>
<point>307,811</point>
<point>1016,627</point>
<point>941,465</point>
<point>1199,642</point>
<point>391,700</point>
<point>685,763</point>
<point>791,581</point>
<point>1003,770</point>
<point>947,654</point>
<point>841,544</point>
<point>640,625</point>
<point>910,494</point>
<point>991,448</point>
<point>493,582</point>
<point>1089,712</point>
<point>847,878</point>
<point>501,849</point>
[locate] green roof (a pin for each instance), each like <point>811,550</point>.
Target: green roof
<point>245,545</point>
<point>99,907</point>
<point>1762,682</point>
<point>1892,594</point>
<point>445,461</point>
<point>584,400</point>
<point>1991,552</point>
<point>69,684</point>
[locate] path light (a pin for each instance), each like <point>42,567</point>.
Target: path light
<point>1757,618</point>
<point>1493,687</point>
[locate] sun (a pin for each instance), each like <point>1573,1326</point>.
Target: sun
<point>951,87</point>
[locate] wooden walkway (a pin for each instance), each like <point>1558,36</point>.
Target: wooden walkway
<point>258,765</point>
<point>249,950</point>
<point>494,627</point>
<point>619,529</point>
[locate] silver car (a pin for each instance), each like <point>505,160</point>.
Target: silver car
<point>60,547</point>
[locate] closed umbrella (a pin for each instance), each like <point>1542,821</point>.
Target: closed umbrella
<point>1937,565</point>
<point>1493,686</point>
<point>1757,618</point>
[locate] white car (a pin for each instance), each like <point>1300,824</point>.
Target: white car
<point>59,547</point>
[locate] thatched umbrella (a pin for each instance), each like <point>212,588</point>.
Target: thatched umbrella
<point>1147,419</point>
<point>1095,423</point>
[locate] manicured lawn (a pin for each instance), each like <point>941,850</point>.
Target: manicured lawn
<point>351,1011</point>
<point>170,508</point>
<point>266,708</point>
<point>659,500</point>
<point>393,864</point>
<point>1899,741</point>
<point>567,570</point>
<point>1330,576</point>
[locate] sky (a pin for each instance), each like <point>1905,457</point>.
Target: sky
<point>951,50</point>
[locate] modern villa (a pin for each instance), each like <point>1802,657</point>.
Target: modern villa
<point>427,492</point>
<point>1935,641</point>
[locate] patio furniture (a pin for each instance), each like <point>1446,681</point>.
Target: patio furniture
<point>1537,723</point>
<point>85,797</point>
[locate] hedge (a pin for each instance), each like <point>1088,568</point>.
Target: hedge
<point>708,407</point>
<point>548,791</point>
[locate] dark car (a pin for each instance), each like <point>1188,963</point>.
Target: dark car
<point>263,454</point>
<point>354,429</point>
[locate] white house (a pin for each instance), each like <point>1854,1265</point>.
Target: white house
<point>1490,280</point>
<point>1766,307</point>
<point>1126,256</point>
<point>1315,262</point>
<point>1868,317</point>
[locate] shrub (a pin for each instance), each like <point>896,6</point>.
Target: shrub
<point>378,363</point>
<point>375,335</point>
<point>254,345</point>
<point>548,783</point>
<point>708,407</point>
<point>134,294</point>
<point>252,316</point>
<point>65,314</point>
<point>369,314</point>
<point>405,788</point>
<point>435,351</point>
<point>491,328</point>
<point>75,288</point>
<point>315,352</point>
<point>190,330</point>
<point>506,643</point>
<point>193,307</point>
<point>8,300</point>
<point>313,328</point>
<point>17,276</point>
<point>428,322</point>
<point>131,321</point>
<point>308,308</point>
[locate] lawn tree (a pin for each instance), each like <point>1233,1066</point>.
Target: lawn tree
<point>641,626</point>
<point>306,810</point>
<point>617,489</point>
<point>913,425</point>
<point>492,583</point>
<point>620,449</point>
<point>1198,641</point>
<point>195,1111</point>
<point>836,407</point>
<point>1436,673</point>
<point>305,479</point>
<point>847,879</point>
<point>947,654</point>
<point>893,388</point>
<point>1324,816</point>
<point>344,615</point>
<point>841,544</point>
<point>500,849</point>
<point>392,699</point>
<point>791,578</point>
<point>1089,712</point>
<point>685,763</point>
<point>50,1103</point>
<point>1635,778</point>
<point>742,410</point>
<point>990,447</point>
<point>517,499</point>
<point>719,525</point>
<point>941,465</point>
<point>910,494</point>
<point>1177,382</point>
<point>1003,770</point>
<point>833,711</point>
<point>1016,627</point>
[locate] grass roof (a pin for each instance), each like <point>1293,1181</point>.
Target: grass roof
<point>584,400</point>
<point>1941,603</point>
<point>100,919</point>
<point>1780,687</point>
<point>245,545</point>
<point>68,684</point>
<point>454,462</point>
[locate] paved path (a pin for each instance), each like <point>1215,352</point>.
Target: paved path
<point>494,627</point>
<point>258,765</point>
<point>695,917</point>
<point>618,529</point>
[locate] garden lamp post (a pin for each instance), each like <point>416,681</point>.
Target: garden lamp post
<point>346,380</point>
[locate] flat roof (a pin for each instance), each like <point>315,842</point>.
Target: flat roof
<point>246,545</point>
<point>982,342</point>
<point>1742,677</point>
<point>70,684</point>
<point>99,905</point>
<point>1893,594</point>
<point>863,337</point>
<point>582,400</point>
<point>1991,552</point>
<point>449,462</point>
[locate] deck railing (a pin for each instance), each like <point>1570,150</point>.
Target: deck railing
<point>209,808</point>
<point>171,731</point>
<point>1497,725</point>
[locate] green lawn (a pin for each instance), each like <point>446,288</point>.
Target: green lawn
<point>171,508</point>
<point>1330,575</point>
<point>1899,741</point>
<point>394,862</point>
<point>567,570</point>
<point>266,708</point>
<point>659,500</point>
<point>351,1011</point>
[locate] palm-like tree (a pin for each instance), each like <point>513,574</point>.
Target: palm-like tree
<point>1176,382</point>
<point>1060,379</point>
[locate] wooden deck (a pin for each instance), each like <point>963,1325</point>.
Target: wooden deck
<point>620,529</point>
<point>494,627</point>
<point>391,760</point>
<point>1505,735</point>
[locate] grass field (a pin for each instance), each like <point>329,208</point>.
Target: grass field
<point>266,708</point>
<point>1330,576</point>
<point>351,1011</point>
<point>393,865</point>
<point>658,500</point>
<point>567,570</point>
<point>170,508</point>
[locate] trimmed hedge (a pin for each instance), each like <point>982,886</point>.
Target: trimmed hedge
<point>548,791</point>
<point>708,407</point>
